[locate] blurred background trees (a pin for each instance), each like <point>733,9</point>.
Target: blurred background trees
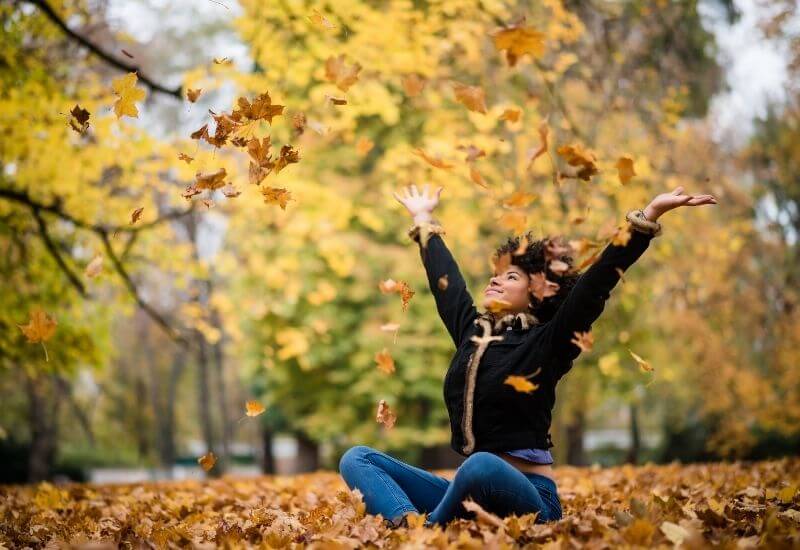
<point>197,309</point>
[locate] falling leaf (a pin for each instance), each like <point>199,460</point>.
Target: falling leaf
<point>584,340</point>
<point>253,408</point>
<point>625,170</point>
<point>200,133</point>
<point>340,74</point>
<point>498,306</point>
<point>125,88</point>
<point>320,20</point>
<point>584,160</point>
<point>208,203</point>
<point>472,97</point>
<point>230,191</point>
<point>193,94</point>
<point>336,100</point>
<point>261,108</point>
<point>276,195</point>
<point>385,415</point>
<point>541,287</point>
<point>211,180</point>
<point>501,263</point>
<point>223,61</point>
<point>413,85</point>
<point>136,215</point>
<point>185,157</point>
<point>384,361</point>
<point>473,153</point>
<point>287,156</point>
<point>522,247</point>
<point>433,161</point>
<point>400,287</point>
<point>543,130</point>
<point>390,327</point>
<point>442,282</point>
<point>79,119</point>
<point>476,177</point>
<point>40,328</point>
<point>363,146</point>
<point>190,192</point>
<point>644,365</point>
<point>520,383</point>
<point>207,461</point>
<point>299,123</point>
<point>518,40</point>
<point>95,267</point>
<point>511,115</point>
<point>519,199</point>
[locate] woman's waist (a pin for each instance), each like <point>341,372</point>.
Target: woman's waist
<point>526,466</point>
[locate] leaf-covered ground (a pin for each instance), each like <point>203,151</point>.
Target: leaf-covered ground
<point>724,505</point>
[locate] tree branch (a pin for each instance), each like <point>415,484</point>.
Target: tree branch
<point>105,56</point>
<point>147,308</point>
<point>23,197</point>
<point>53,249</point>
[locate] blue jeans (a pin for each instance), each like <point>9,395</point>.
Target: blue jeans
<point>393,488</point>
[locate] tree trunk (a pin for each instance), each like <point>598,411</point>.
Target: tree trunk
<point>635,448</point>
<point>43,419</point>
<point>268,460</point>
<point>204,399</point>
<point>222,395</point>
<point>574,432</point>
<point>307,453</point>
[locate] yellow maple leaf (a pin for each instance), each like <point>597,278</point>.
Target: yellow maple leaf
<point>518,41</point>
<point>521,383</point>
<point>644,365</point>
<point>625,170</point>
<point>276,195</point>
<point>40,328</point>
<point>253,408</point>
<point>129,94</point>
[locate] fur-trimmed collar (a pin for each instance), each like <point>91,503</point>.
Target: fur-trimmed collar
<point>521,320</point>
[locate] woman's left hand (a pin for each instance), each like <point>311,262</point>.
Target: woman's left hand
<point>667,201</point>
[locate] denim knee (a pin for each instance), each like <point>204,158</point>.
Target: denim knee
<point>352,455</point>
<point>479,464</point>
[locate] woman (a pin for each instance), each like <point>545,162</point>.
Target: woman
<point>536,312</point>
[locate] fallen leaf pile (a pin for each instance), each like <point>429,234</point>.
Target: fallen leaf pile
<point>727,505</point>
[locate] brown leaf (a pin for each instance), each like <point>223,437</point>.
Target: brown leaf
<point>413,84</point>
<point>511,115</point>
<point>625,169</point>
<point>193,94</point>
<point>210,180</point>
<point>186,158</point>
<point>40,328</point>
<point>207,461</point>
<point>79,119</point>
<point>276,195</point>
<point>385,415</point>
<point>339,73</point>
<point>436,162</point>
<point>136,215</point>
<point>472,97</point>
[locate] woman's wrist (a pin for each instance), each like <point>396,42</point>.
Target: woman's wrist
<point>423,217</point>
<point>650,213</point>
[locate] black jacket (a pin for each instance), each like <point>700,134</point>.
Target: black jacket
<point>502,418</point>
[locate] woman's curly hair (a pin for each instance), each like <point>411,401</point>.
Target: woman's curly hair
<point>534,260</point>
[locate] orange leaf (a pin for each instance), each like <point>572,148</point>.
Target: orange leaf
<point>253,408</point>
<point>185,157</point>
<point>211,180</point>
<point>364,146</point>
<point>518,41</point>
<point>625,170</point>
<point>384,361</point>
<point>340,74</point>
<point>320,20</point>
<point>207,461</point>
<point>436,162</point>
<point>520,383</point>
<point>277,195</point>
<point>413,85</point>
<point>40,328</point>
<point>472,97</point>
<point>193,94</point>
<point>511,115</point>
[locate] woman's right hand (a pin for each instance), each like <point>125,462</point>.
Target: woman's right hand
<point>419,205</point>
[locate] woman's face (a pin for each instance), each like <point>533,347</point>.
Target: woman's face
<point>510,286</point>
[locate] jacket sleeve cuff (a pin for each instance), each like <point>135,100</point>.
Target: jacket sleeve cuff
<point>421,232</point>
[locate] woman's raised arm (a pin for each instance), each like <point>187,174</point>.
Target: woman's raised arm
<point>453,301</point>
<point>586,301</point>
